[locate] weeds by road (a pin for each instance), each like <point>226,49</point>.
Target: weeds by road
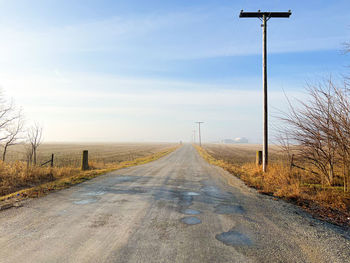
<point>328,203</point>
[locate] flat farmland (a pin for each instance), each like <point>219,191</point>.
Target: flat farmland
<point>16,175</point>
<point>240,154</point>
<point>69,154</point>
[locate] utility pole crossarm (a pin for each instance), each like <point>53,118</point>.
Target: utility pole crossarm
<point>266,14</point>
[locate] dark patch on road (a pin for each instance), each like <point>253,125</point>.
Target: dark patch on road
<point>229,209</point>
<point>95,193</point>
<point>213,191</point>
<point>125,179</point>
<point>190,212</point>
<point>85,202</point>
<point>215,196</point>
<point>234,238</point>
<point>119,201</point>
<point>191,193</point>
<point>191,220</point>
<point>128,191</point>
<point>185,200</point>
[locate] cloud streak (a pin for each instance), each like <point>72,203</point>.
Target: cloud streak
<point>191,34</point>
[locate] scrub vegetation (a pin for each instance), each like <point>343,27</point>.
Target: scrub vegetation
<point>302,187</point>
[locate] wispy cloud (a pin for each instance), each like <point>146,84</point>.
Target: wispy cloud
<point>194,33</point>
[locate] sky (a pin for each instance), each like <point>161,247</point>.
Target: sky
<point>100,71</point>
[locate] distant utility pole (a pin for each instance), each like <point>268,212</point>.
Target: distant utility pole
<point>199,132</point>
<point>194,136</point>
<point>264,17</point>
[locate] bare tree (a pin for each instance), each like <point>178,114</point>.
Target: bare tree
<point>320,127</point>
<point>7,113</point>
<point>11,124</point>
<point>34,138</point>
<point>341,130</point>
<point>311,126</point>
<point>13,131</point>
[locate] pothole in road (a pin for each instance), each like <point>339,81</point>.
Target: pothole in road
<point>190,212</point>
<point>96,193</point>
<point>191,220</point>
<point>234,238</point>
<point>229,209</point>
<point>84,202</point>
<point>192,193</point>
<point>125,179</point>
<point>213,191</point>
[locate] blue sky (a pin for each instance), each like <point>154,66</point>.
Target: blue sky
<point>146,70</point>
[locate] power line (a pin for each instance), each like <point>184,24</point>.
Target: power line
<point>264,17</point>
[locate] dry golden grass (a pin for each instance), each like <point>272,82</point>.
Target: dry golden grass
<point>329,203</point>
<point>16,179</point>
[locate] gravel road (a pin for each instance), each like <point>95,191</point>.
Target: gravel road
<point>176,209</point>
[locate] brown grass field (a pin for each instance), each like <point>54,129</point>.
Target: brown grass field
<point>69,154</point>
<point>21,181</point>
<point>295,185</point>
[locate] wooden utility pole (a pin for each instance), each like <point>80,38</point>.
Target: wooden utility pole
<point>265,113</point>
<point>199,132</point>
<point>264,17</point>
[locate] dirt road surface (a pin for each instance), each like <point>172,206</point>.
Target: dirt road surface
<point>176,209</point>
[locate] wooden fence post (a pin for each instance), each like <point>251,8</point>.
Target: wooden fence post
<point>51,160</point>
<point>85,160</point>
<point>258,158</point>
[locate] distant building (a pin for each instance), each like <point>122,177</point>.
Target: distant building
<point>241,140</point>
<point>236,140</point>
